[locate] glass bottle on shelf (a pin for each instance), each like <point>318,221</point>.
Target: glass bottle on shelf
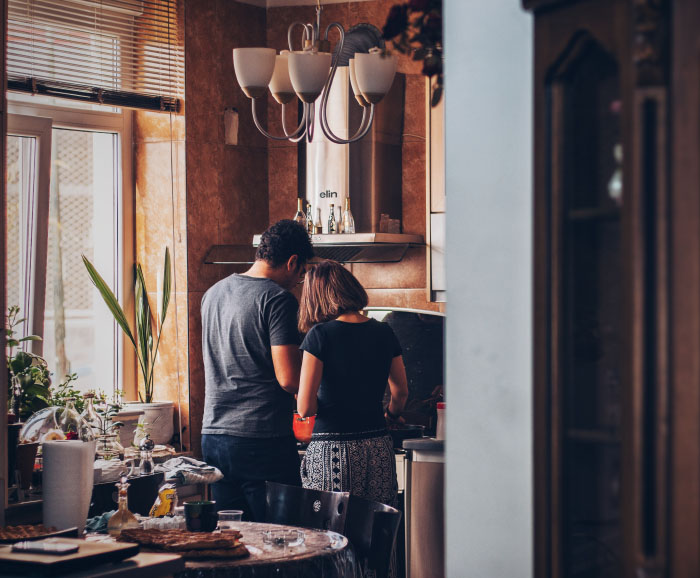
<point>90,415</point>
<point>332,224</point>
<point>146,465</point>
<point>309,219</point>
<point>72,424</point>
<point>348,219</point>
<point>122,519</point>
<point>318,226</point>
<point>109,448</point>
<point>300,216</point>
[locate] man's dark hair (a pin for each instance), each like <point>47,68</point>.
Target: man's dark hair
<point>282,240</point>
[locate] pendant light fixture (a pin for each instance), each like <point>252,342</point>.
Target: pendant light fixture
<point>308,74</point>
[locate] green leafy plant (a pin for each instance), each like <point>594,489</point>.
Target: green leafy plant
<point>143,337</point>
<point>415,28</point>
<point>29,372</point>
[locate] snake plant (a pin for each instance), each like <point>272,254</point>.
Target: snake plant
<point>143,338</point>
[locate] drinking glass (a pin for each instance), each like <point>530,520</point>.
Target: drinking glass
<point>228,520</point>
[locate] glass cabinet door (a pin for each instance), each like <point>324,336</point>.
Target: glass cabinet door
<point>589,269</point>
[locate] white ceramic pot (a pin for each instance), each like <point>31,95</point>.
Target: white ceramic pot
<point>158,417</point>
<point>130,418</point>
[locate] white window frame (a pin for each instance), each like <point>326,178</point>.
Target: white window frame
<point>33,284</point>
<point>109,120</point>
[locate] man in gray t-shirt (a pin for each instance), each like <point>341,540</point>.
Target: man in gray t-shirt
<point>250,346</point>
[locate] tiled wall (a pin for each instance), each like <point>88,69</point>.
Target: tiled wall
<point>227,199</point>
<point>159,169</point>
<point>234,192</point>
<point>396,284</point>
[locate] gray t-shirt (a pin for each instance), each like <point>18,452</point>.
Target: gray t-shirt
<point>242,317</point>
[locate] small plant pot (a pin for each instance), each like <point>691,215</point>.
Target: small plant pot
<point>158,417</point>
<point>24,464</point>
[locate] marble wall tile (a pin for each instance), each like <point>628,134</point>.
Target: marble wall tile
<point>206,127</point>
<point>283,189</point>
<point>407,298</point>
<point>243,202</point>
<point>414,109</point>
<point>149,126</point>
<point>410,273</point>
<point>204,180</point>
<point>196,369</point>
<point>413,195</point>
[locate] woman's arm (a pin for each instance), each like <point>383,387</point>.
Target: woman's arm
<point>398,386</point>
<point>309,382</point>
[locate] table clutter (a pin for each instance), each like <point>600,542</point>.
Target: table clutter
<point>281,551</point>
<point>190,545</point>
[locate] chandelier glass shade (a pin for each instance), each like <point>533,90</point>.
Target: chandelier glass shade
<point>308,74</point>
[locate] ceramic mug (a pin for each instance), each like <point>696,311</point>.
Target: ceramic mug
<point>200,516</point>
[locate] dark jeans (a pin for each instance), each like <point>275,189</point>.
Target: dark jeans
<point>247,463</point>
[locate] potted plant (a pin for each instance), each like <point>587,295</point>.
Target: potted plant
<point>28,382</point>
<point>28,377</point>
<point>146,340</point>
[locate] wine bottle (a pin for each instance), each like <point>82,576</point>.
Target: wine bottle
<point>318,226</point>
<point>332,225</point>
<point>300,217</point>
<point>309,219</point>
<point>348,219</point>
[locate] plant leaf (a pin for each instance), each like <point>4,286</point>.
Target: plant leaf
<point>167,286</point>
<point>109,299</point>
<point>31,338</point>
<point>144,327</point>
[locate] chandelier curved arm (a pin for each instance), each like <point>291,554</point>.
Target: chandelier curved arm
<point>267,134</point>
<point>299,133</point>
<point>308,31</point>
<point>362,130</point>
<point>310,118</point>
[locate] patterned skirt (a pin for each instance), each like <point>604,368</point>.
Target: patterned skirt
<point>361,463</point>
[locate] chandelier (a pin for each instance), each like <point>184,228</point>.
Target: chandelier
<point>307,74</point>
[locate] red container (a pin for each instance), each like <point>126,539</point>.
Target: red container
<point>303,427</point>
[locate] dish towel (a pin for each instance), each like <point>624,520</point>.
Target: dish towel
<point>185,471</point>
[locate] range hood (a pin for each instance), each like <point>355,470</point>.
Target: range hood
<point>345,248</point>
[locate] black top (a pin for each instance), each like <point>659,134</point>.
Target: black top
<point>356,362</point>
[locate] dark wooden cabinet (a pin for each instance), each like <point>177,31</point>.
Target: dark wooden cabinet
<point>617,288</point>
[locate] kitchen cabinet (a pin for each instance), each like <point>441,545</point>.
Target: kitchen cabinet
<point>617,288</point>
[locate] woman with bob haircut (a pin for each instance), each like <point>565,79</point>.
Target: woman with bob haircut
<point>348,359</point>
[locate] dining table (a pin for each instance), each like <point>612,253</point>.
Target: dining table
<point>321,554</point>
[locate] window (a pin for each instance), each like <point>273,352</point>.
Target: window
<point>80,210</point>
<point>117,52</point>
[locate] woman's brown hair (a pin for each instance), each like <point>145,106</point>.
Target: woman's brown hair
<point>329,291</point>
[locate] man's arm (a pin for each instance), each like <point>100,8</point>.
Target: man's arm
<point>286,360</point>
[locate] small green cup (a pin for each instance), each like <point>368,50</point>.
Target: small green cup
<point>200,516</point>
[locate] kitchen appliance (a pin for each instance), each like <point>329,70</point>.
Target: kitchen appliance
<point>401,432</point>
<point>425,508</point>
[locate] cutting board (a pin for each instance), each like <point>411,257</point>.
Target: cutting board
<point>89,555</point>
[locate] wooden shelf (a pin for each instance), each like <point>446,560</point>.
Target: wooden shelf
<point>596,436</point>
<point>595,214</point>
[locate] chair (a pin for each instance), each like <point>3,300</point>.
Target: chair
<point>371,528</point>
<point>305,507</point>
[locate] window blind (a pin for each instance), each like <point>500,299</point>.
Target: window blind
<point>117,52</point>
